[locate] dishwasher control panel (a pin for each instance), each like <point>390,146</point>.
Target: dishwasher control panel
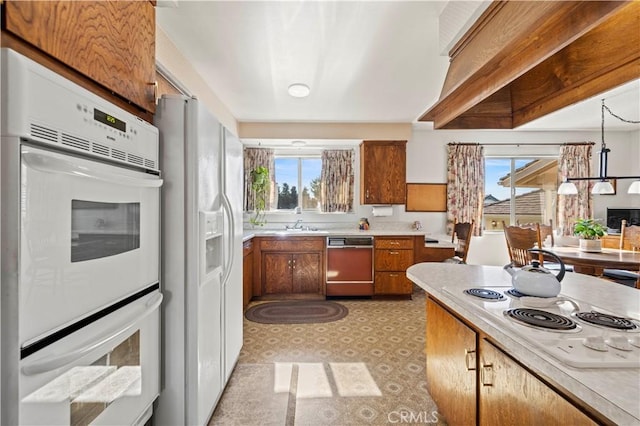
<point>355,241</point>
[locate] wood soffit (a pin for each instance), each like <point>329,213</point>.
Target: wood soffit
<point>523,60</point>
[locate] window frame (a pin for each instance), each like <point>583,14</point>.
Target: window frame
<point>299,186</point>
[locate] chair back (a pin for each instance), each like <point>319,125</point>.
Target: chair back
<point>519,241</point>
<point>545,230</point>
<point>463,231</point>
<point>631,234</point>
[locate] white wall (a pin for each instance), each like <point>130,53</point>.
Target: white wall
<point>427,158</point>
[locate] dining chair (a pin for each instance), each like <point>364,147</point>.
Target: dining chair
<point>462,231</point>
<point>546,231</point>
<point>519,241</point>
<point>621,276</point>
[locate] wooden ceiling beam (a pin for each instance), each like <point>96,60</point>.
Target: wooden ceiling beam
<point>512,39</point>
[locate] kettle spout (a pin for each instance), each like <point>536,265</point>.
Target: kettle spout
<point>509,268</point>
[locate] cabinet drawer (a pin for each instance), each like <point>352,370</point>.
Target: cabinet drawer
<point>393,242</point>
<point>296,244</point>
<point>392,283</point>
<point>393,260</point>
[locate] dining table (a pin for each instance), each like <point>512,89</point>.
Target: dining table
<point>594,263</point>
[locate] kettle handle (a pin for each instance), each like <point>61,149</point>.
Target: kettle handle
<point>560,274</point>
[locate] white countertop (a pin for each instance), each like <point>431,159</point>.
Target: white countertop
<point>443,240</point>
<point>614,392</point>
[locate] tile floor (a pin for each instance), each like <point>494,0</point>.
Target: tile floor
<point>365,369</point>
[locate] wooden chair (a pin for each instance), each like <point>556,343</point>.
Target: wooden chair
<point>519,241</point>
<point>463,232</point>
<point>628,278</point>
<point>545,230</point>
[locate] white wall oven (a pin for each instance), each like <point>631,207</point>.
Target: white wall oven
<point>80,254</point>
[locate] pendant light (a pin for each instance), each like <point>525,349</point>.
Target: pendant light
<point>603,186</point>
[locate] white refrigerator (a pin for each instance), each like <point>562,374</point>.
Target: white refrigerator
<point>202,167</point>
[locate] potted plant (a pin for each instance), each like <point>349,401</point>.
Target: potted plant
<point>260,185</point>
<point>589,231</point>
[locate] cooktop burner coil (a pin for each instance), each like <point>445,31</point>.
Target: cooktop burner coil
<point>485,293</point>
<point>543,319</point>
<point>606,320</point>
<point>514,293</point>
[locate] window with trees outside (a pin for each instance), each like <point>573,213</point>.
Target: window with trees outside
<point>297,182</point>
<point>519,190</point>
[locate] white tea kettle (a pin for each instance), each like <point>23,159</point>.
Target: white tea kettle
<point>534,280</point>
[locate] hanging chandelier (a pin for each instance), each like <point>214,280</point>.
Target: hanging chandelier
<point>603,186</point>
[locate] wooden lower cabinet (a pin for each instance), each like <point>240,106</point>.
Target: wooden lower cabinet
<point>510,394</point>
<point>451,365</point>
<point>474,382</point>
<point>431,253</point>
<point>392,257</point>
<point>289,266</point>
<point>247,273</point>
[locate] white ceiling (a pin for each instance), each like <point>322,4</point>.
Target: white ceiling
<point>365,61</point>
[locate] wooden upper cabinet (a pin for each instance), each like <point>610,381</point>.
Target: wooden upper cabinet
<point>110,42</point>
<point>383,172</point>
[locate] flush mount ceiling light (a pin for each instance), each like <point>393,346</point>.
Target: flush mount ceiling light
<point>603,186</point>
<point>299,90</point>
<point>298,143</point>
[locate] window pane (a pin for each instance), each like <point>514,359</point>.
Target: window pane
<point>286,182</point>
<point>534,183</point>
<point>310,182</point>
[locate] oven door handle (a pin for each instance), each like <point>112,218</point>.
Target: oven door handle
<point>50,162</point>
<point>54,362</point>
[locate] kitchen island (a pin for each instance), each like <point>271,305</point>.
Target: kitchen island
<point>606,395</point>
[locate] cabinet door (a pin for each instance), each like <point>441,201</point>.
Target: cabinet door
<point>306,273</point>
<point>451,366</point>
<point>111,42</point>
<point>392,283</point>
<point>276,273</point>
<point>383,172</point>
<point>509,394</point>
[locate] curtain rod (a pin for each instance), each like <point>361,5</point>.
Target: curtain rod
<point>524,144</point>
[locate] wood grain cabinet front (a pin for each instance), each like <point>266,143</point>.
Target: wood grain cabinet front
<point>110,42</point>
<point>292,266</point>
<point>392,257</point>
<point>383,172</point>
<point>247,273</point>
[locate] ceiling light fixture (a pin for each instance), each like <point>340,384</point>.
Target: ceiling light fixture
<point>298,143</point>
<point>299,90</point>
<point>603,186</point>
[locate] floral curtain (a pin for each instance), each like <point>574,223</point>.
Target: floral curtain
<point>255,157</point>
<point>465,184</point>
<point>574,161</point>
<point>336,180</point>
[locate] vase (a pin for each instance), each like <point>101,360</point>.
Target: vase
<point>590,245</point>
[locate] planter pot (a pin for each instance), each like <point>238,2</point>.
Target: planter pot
<point>591,245</point>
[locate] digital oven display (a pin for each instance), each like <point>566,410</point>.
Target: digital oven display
<point>109,120</point>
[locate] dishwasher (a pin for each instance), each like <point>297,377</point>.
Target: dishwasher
<point>349,266</point>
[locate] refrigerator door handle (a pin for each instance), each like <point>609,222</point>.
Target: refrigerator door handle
<point>226,206</point>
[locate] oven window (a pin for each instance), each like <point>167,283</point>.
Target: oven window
<point>103,229</point>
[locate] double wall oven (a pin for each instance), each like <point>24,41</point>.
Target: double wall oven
<point>80,254</point>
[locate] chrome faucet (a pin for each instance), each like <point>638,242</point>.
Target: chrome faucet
<point>297,225</point>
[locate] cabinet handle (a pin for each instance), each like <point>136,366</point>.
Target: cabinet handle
<point>394,243</point>
<point>470,359</point>
<point>394,275</point>
<point>155,90</point>
<point>394,252</point>
<point>486,375</point>
<point>366,194</point>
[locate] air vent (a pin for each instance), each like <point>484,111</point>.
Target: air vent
<point>135,159</point>
<point>100,149</point>
<point>44,133</point>
<point>75,142</point>
<point>118,155</point>
<point>149,163</point>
